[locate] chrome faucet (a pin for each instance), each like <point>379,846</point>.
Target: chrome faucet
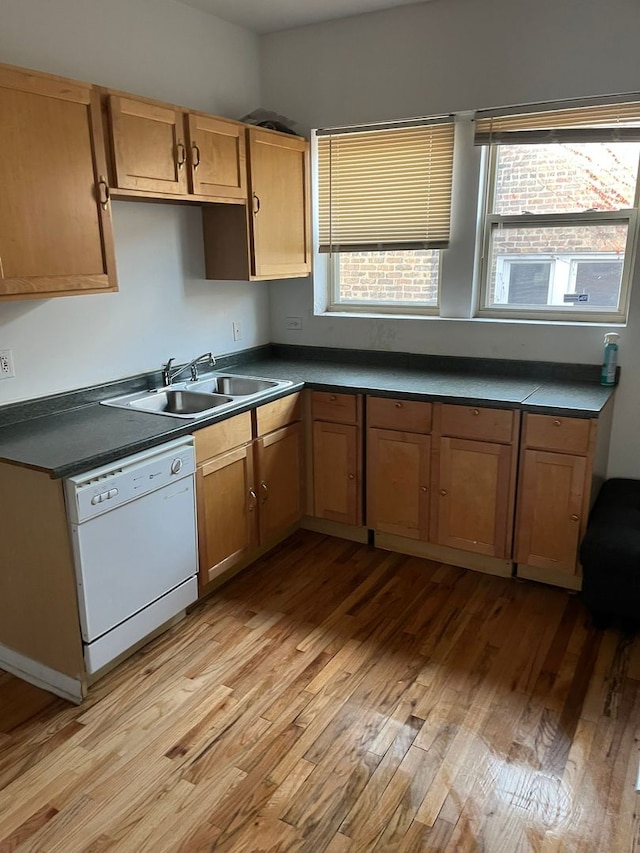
<point>169,375</point>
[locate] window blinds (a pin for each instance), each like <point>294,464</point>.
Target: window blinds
<point>611,122</point>
<point>385,188</point>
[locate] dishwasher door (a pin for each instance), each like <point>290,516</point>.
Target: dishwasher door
<point>129,557</point>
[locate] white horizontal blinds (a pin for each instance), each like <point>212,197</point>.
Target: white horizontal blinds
<point>385,188</point>
<point>601,123</point>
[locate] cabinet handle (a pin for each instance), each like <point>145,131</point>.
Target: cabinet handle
<point>254,500</point>
<point>351,476</point>
<point>444,492</point>
<point>475,411</point>
<point>333,398</point>
<point>182,155</point>
<point>104,194</point>
<point>399,406</point>
<point>557,423</point>
<point>423,488</point>
<point>265,491</point>
<point>256,204</point>
<point>196,159</point>
<point>575,518</point>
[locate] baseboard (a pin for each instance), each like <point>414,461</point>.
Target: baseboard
<point>442,554</point>
<point>551,576</point>
<point>335,528</point>
<point>42,676</point>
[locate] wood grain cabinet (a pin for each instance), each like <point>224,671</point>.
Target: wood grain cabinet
<point>562,462</point>
<point>474,470</point>
<point>162,150</point>
<point>272,238</point>
<point>55,221</point>
<point>249,486</point>
<point>398,467</point>
<point>337,457</point>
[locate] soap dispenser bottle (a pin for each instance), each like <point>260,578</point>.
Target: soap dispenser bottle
<point>609,359</point>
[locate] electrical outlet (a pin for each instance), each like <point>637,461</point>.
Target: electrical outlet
<point>237,333</point>
<point>293,324</point>
<point>6,364</point>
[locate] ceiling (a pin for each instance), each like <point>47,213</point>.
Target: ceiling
<point>268,16</point>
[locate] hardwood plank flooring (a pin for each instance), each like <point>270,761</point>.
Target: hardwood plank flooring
<point>339,699</point>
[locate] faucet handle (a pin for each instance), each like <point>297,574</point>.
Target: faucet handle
<point>166,372</point>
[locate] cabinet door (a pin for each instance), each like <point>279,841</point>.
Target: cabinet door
<point>336,472</point>
<point>227,512</point>
<point>473,496</point>
<point>280,482</point>
<point>398,483</point>
<point>148,146</point>
<point>218,159</point>
<point>55,218</point>
<point>280,204</point>
<point>550,501</point>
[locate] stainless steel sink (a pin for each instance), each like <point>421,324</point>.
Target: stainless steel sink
<point>212,394</point>
<point>180,402</point>
<point>235,386</point>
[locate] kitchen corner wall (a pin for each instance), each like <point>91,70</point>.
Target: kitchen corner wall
<point>161,49</point>
<point>452,56</point>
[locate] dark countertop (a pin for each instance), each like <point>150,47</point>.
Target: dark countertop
<point>65,443</point>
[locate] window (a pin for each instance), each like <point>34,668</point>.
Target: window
<point>561,215</point>
<point>384,201</point>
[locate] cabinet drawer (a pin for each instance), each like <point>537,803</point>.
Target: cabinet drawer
<point>223,436</point>
<point>403,415</point>
<point>477,423</point>
<point>336,408</point>
<point>566,435</point>
<point>278,414</point>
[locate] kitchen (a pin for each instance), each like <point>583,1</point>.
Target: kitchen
<point>165,307</point>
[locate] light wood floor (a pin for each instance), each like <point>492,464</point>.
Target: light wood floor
<point>338,698</point>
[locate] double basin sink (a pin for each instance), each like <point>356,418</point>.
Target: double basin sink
<point>201,397</point>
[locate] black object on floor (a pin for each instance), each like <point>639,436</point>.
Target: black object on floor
<point>610,556</point>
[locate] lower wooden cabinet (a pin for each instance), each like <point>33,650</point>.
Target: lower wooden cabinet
<point>562,463</point>
<point>474,496</point>
<point>552,492</point>
<point>398,473</point>
<point>337,457</point>
<point>249,490</point>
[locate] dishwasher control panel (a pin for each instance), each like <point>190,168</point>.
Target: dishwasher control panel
<point>90,494</point>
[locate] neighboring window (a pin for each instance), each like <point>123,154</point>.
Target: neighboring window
<point>561,216</point>
<point>384,207</point>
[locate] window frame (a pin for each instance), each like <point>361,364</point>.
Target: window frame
<point>489,221</point>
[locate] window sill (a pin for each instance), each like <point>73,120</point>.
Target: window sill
<point>501,321</point>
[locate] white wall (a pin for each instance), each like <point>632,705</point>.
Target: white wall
<point>166,50</point>
<point>456,55</point>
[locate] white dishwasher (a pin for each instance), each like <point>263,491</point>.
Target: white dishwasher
<point>133,531</point>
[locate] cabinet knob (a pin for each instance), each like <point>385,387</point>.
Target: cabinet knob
<point>265,491</point>
<point>352,476</point>
<point>557,423</point>
<point>333,398</point>
<point>444,492</point>
<point>575,518</point>
<point>423,488</point>
<point>475,411</point>
<point>399,406</point>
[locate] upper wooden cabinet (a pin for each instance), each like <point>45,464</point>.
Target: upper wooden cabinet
<point>162,150</point>
<point>148,146</point>
<point>55,221</point>
<point>273,238</point>
<point>217,158</point>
